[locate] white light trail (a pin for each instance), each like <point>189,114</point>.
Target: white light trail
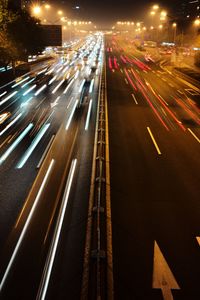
<point>20,82</point>
<point>15,143</point>
<point>33,145</point>
<point>57,87</point>
<point>29,90</point>
<point>26,102</point>
<point>65,91</point>
<point>26,224</point>
<point>53,248</point>
<point>1,95</point>
<point>44,70</point>
<point>27,83</point>
<point>88,115</point>
<point>40,90</point>
<point>52,80</point>
<point>8,97</point>
<point>10,124</point>
<point>71,115</point>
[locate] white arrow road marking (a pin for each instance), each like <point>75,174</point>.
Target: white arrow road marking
<point>162,276</point>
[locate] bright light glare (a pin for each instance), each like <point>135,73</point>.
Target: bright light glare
<point>36,10</point>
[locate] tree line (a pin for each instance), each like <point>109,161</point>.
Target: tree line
<point>21,35</point>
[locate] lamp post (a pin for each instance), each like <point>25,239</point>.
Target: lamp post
<point>174,25</point>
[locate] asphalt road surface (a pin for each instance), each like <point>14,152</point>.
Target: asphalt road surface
<point>154,163</point>
<point>56,107</point>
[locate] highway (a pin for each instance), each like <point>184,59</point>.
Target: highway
<point>154,169</point>
<point>46,146</point>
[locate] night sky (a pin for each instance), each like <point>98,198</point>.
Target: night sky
<point>109,11</point>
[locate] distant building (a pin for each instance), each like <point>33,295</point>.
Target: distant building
<point>52,35</point>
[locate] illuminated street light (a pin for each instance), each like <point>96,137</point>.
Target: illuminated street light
<point>160,26</point>
<point>197,22</point>
<point>174,25</point>
<point>152,13</point>
<point>163,14</point>
<point>36,10</point>
<point>60,12</point>
<point>155,7</point>
<point>151,27</point>
<point>138,24</point>
<point>47,6</point>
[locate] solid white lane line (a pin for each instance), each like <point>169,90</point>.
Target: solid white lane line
<point>15,143</point>
<point>56,236</point>
<point>126,80</point>
<point>45,152</point>
<point>26,225</point>
<point>194,135</point>
<point>154,141</point>
<point>71,115</point>
<point>134,98</point>
<point>91,86</point>
<point>88,115</point>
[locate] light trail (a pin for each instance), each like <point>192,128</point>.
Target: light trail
<point>40,90</point>
<point>67,88</point>
<point>8,97</point>
<point>52,80</point>
<point>20,82</point>
<point>33,145</point>
<point>10,124</point>
<point>57,87</point>
<point>1,95</point>
<point>24,85</point>
<point>56,236</point>
<point>29,90</point>
<point>15,143</point>
<point>16,249</point>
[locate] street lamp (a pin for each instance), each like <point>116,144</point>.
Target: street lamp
<point>197,22</point>
<point>174,25</point>
<point>155,7</point>
<point>36,10</point>
<point>60,12</point>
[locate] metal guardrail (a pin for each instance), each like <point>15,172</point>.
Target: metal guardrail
<point>96,284</point>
